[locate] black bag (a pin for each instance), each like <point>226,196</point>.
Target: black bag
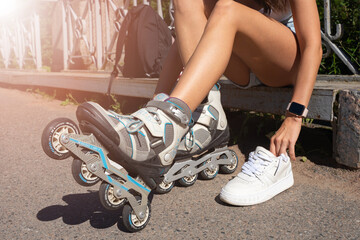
<point>147,40</point>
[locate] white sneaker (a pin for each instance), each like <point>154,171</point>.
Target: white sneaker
<point>262,177</point>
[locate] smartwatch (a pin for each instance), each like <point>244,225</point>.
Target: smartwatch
<point>297,109</point>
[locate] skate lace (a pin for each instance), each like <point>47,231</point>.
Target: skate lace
<point>135,125</point>
<point>190,139</point>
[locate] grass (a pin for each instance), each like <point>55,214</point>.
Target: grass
<point>70,100</point>
<point>43,94</point>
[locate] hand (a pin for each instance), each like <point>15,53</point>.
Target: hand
<point>286,137</point>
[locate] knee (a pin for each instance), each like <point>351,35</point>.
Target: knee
<point>224,8</point>
<point>227,12</point>
<point>188,6</point>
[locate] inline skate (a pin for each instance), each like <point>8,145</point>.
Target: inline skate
<point>203,150</point>
<point>134,154</point>
<point>129,154</point>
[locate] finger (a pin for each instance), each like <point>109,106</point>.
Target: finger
<point>272,146</point>
<point>278,142</point>
<point>292,151</point>
<point>283,147</point>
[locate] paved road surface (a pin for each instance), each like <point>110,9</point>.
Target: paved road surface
<point>40,200</point>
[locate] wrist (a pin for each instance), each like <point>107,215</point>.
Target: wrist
<point>297,109</point>
<point>293,117</point>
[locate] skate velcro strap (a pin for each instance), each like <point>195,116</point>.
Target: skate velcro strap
<point>170,110</point>
<point>205,120</point>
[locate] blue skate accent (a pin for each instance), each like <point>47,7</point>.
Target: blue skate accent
<point>110,179</point>
<point>198,146</point>
<point>137,184</point>
<point>142,134</point>
<point>175,104</point>
<point>117,119</point>
<point>130,221</point>
<point>102,155</point>
<point>116,183</point>
<point>82,178</point>
<point>51,147</point>
<point>94,148</point>
<point>132,147</point>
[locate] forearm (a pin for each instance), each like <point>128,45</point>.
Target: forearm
<point>307,72</point>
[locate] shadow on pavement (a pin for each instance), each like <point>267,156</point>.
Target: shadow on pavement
<point>81,208</point>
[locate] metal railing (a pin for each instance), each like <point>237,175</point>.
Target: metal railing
<point>103,19</point>
<point>328,38</point>
<point>20,41</point>
<point>90,32</point>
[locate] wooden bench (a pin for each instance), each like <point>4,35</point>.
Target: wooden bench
<point>335,99</point>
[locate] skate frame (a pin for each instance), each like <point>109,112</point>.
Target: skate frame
<point>103,168</point>
<point>190,167</point>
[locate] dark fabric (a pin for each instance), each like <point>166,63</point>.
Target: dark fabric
<point>147,42</point>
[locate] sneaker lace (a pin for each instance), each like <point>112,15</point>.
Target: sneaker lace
<point>256,164</point>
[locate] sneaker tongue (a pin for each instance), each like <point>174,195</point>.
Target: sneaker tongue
<point>263,151</point>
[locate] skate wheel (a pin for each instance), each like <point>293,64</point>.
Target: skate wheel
<point>209,173</point>
<point>188,181</point>
<point>230,168</point>
<point>108,199</point>
<point>132,222</point>
<point>163,187</point>
<point>50,139</point>
<point>82,175</point>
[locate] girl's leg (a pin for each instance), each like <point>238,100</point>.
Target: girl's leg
<point>170,71</point>
<point>259,43</point>
<point>191,17</point>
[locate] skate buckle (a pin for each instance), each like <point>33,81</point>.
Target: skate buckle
<point>64,138</point>
<point>180,115</point>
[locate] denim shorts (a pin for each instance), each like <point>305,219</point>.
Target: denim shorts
<point>290,24</point>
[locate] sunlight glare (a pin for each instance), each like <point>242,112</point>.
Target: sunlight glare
<point>8,7</point>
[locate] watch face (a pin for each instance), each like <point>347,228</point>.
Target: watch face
<point>296,108</point>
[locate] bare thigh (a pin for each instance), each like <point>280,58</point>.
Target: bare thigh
<point>268,48</point>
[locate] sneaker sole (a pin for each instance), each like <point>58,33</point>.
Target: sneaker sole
<point>259,197</point>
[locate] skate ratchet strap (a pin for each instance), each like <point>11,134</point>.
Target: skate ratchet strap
<point>173,110</point>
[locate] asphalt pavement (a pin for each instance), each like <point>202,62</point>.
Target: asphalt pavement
<point>40,200</point>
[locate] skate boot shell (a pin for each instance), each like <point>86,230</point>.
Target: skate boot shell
<point>144,143</point>
<point>203,150</point>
